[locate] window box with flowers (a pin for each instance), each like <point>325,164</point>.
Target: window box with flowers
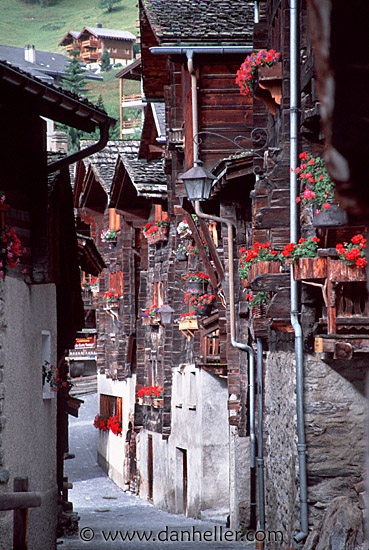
<point>258,260</point>
<point>111,299</point>
<point>182,253</point>
<point>187,321</point>
<point>319,192</point>
<point>51,380</point>
<point>304,258</point>
<point>194,251</point>
<point>151,395</point>
<point>110,237</point>
<point>156,231</point>
<point>351,263</point>
<point>151,316</point>
<point>108,423</point>
<point>258,304</point>
<point>261,74</point>
<point>196,282</point>
<point>202,304</point>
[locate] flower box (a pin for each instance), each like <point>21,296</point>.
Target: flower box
<point>339,271</point>
<point>204,310</point>
<point>157,402</point>
<point>111,305</point>
<point>332,217</point>
<point>159,236</point>
<point>190,324</point>
<point>259,268</point>
<point>261,327</point>
<point>140,400</point>
<point>310,268</point>
<point>151,320</point>
<point>147,400</point>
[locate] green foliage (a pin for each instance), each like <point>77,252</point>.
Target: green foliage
<point>75,79</point>
<point>43,3</point>
<point>108,5</point>
<point>105,61</point>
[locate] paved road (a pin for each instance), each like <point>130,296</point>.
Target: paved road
<point>104,508</point>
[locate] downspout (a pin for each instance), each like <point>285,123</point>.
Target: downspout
<point>242,347</point>
<point>260,458</point>
<point>79,155</point>
<point>301,445</point>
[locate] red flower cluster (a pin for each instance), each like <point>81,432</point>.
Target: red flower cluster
<point>319,188</point>
<point>151,311</point>
<point>191,315</point>
<point>106,423</point>
<point>305,248</point>
<point>153,227</point>
<point>114,425</point>
<point>354,252</point>
<point>101,422</point>
<point>246,75</point>
<point>10,250</point>
<point>198,300</point>
<point>199,277</point>
<point>151,391</point>
<point>110,296</point>
<point>258,253</point>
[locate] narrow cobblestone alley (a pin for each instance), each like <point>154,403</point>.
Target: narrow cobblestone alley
<point>104,508</point>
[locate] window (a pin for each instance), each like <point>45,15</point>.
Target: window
<point>114,220</point>
<point>111,406</point>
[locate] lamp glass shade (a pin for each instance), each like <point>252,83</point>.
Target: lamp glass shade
<point>198,182</point>
<point>166,314</point>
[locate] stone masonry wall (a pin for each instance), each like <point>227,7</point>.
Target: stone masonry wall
<point>334,426</point>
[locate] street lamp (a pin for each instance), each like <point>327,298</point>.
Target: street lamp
<point>165,312</point>
<point>198,182</point>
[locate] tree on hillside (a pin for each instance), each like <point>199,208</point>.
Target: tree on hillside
<point>75,81</point>
<point>108,5</point>
<point>105,61</point>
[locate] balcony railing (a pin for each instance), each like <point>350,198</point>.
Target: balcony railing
<point>90,43</point>
<point>89,55</point>
<point>130,98</point>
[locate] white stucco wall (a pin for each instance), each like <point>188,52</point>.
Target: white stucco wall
<point>29,432</point>
<point>199,427</point>
<point>111,448</point>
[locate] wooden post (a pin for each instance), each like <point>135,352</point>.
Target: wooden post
<point>20,520</point>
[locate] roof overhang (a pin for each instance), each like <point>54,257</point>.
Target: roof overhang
<point>89,258</point>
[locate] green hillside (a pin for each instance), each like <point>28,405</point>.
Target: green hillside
<point>22,23</point>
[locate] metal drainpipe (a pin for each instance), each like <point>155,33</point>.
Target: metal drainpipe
<point>260,457</point>
<point>301,445</point>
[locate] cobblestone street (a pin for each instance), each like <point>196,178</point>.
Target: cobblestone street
<point>107,512</point>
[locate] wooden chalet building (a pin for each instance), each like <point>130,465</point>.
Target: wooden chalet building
<point>41,305</point>
<point>93,41</point>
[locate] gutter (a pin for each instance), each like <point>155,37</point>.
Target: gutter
<point>79,155</point>
<point>218,50</point>
<point>299,353</point>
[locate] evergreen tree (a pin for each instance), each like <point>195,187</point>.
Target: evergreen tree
<point>108,4</point>
<point>75,81</point>
<point>105,61</point>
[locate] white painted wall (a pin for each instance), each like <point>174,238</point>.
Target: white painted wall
<point>199,426</point>
<point>111,448</point>
<point>29,431</point>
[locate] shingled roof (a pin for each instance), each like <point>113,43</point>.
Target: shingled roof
<point>103,163</point>
<point>201,21</point>
<point>148,178</point>
<point>101,32</point>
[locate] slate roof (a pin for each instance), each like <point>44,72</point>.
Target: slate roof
<point>148,178</point>
<point>201,21</point>
<point>103,163</point>
<point>109,33</point>
<point>47,64</point>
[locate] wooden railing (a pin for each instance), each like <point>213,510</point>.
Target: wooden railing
<point>129,124</point>
<point>20,501</point>
<point>127,98</point>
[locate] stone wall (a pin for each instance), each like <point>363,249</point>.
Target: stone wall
<point>334,426</point>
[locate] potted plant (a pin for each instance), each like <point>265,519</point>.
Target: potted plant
<point>197,281</point>
<point>319,192</point>
<point>114,425</point>
<point>257,303</point>
<point>151,395</point>
<point>111,299</point>
<point>110,236</point>
<point>50,375</point>
<point>156,231</point>
<point>194,251</point>
<point>187,321</point>
<point>303,256</point>
<point>10,250</point>
<point>151,315</point>
<point>101,422</point>
<point>349,266</point>
<point>201,303</point>
<point>261,258</point>
<point>181,253</point>
<point>247,73</point>
<point>183,229</point>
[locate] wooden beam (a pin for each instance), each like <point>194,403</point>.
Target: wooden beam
<point>212,249</point>
<point>20,500</point>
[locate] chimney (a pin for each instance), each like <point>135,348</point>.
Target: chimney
<point>99,25</point>
<point>30,53</point>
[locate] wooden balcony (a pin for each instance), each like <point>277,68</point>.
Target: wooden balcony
<point>91,56</point>
<point>89,43</point>
<point>132,100</point>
